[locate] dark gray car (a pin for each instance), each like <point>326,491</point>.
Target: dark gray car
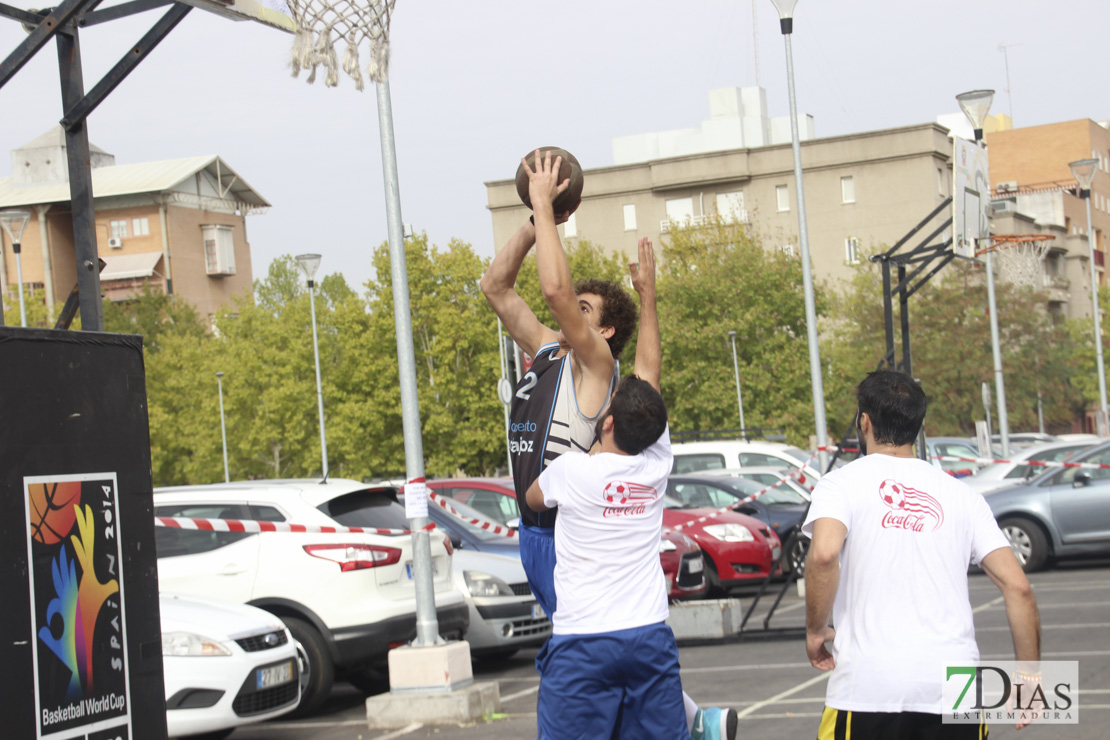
<point>1064,512</point>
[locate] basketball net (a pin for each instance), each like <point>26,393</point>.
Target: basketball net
<point>1020,257</point>
<point>324,24</point>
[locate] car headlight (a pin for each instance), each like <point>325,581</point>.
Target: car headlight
<point>483,584</point>
<point>667,546</point>
<point>192,645</point>
<point>730,532</point>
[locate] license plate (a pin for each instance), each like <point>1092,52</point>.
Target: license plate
<point>408,570</point>
<point>275,675</point>
<point>537,612</point>
<point>697,566</point>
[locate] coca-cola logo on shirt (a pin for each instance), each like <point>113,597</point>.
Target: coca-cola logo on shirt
<point>630,498</point>
<point>910,509</point>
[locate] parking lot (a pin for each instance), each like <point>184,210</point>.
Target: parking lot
<point>770,682</point>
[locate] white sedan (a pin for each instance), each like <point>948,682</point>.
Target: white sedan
<point>225,664</point>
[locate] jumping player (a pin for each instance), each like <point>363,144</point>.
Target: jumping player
<point>556,405</point>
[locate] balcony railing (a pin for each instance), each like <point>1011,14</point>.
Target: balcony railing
<point>739,217</point>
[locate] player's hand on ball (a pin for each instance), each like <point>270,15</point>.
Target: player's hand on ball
<point>819,655</point>
<point>643,272</point>
<point>543,182</point>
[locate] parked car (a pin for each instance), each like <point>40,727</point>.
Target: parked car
<point>999,475</point>
<point>346,598</point>
<point>782,508</point>
<point>504,615</point>
<point>738,549</point>
<point>1021,440</point>
<point>497,498</point>
<point>693,457</point>
<point>937,447</point>
<point>1062,513</point>
<point>225,665</point>
<point>469,536</point>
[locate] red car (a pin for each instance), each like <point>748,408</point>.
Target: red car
<point>679,554</point>
<point>738,548</point>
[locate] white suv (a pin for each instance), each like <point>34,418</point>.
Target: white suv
<point>694,457</point>
<point>347,598</point>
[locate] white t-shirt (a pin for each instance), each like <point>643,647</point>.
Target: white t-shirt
<point>608,576</point>
<point>902,611</point>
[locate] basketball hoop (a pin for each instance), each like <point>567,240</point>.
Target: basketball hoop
<point>323,24</point>
<point>1020,257</point>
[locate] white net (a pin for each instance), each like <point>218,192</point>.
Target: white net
<point>1023,263</point>
<point>322,25</point>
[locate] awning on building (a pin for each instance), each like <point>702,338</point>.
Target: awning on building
<point>129,266</point>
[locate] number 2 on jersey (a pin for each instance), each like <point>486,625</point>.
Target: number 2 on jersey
<point>529,382</point>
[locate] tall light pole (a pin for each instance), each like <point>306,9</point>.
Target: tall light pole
<point>309,264</point>
<point>786,25</point>
<point>975,105</point>
<point>739,398</point>
<point>14,221</point>
<point>1084,171</point>
<point>223,428</point>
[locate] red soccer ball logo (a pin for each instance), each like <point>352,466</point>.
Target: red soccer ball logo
<point>892,494</point>
<point>616,490</point>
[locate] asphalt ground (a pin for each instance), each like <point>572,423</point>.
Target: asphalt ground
<point>769,681</point>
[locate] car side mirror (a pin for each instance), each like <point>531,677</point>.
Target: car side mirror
<point>1082,478</point>
<point>513,523</point>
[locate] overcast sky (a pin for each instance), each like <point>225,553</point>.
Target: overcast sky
<point>477,84</point>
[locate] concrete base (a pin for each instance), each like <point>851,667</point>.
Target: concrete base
<point>801,583</point>
<point>465,705</point>
<point>700,620</point>
<point>436,668</point>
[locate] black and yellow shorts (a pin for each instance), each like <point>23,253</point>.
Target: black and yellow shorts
<point>840,724</point>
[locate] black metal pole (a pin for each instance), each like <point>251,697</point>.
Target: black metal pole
<point>888,313</point>
<point>80,184</point>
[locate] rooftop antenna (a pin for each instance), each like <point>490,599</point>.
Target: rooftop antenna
<point>1009,95</point>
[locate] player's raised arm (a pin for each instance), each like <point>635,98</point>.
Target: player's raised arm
<point>555,278</point>
<point>498,285</point>
<point>649,351</point>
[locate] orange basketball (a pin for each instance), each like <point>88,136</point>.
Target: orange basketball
<point>52,510</point>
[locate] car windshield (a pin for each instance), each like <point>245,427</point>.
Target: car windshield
<point>783,492</point>
<point>445,517</point>
<point>673,503</point>
<point>800,455</point>
<point>376,509</point>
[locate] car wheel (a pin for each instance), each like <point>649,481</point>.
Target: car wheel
<point>1028,541</point>
<point>498,656</point>
<point>317,665</point>
<point>369,681</point>
<point>794,554</point>
<point>713,578</point>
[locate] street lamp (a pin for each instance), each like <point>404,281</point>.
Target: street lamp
<point>786,25</point>
<point>1084,171</point>
<point>223,428</point>
<point>739,398</point>
<point>975,105</point>
<point>309,264</point>
<point>14,221</point>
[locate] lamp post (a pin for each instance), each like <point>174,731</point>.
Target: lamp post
<point>14,221</point>
<point>975,105</point>
<point>1084,171</point>
<point>223,428</point>
<point>309,264</point>
<point>786,25</point>
<point>739,398</point>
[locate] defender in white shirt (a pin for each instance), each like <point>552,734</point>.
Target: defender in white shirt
<point>892,539</point>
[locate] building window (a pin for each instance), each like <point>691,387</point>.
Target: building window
<point>940,180</point>
<point>787,249</point>
<point>219,250</point>
<point>730,207</point>
<point>847,189</point>
<point>140,226</point>
<point>851,250</point>
<point>117,229</point>
<point>680,209</point>
<point>570,228</point>
<point>630,217</point>
<point>783,197</point>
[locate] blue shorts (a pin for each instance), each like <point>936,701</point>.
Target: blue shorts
<point>537,554</point>
<point>622,684</point>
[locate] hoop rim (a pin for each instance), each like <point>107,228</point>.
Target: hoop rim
<point>1005,241</point>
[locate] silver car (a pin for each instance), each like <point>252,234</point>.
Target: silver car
<point>1018,469</point>
<point>504,615</point>
<point>1062,513</point>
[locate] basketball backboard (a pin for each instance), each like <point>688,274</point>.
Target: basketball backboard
<point>971,196</point>
<point>272,13</point>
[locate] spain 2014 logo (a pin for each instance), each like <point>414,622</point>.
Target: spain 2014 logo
<point>910,509</point>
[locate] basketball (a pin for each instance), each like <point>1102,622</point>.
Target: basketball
<point>569,170</point>
<point>52,510</point>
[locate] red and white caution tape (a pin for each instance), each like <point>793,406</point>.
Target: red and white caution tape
<point>247,525</point>
<point>1034,463</point>
<point>483,524</point>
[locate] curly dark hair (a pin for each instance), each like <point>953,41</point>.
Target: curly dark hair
<point>618,310</point>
